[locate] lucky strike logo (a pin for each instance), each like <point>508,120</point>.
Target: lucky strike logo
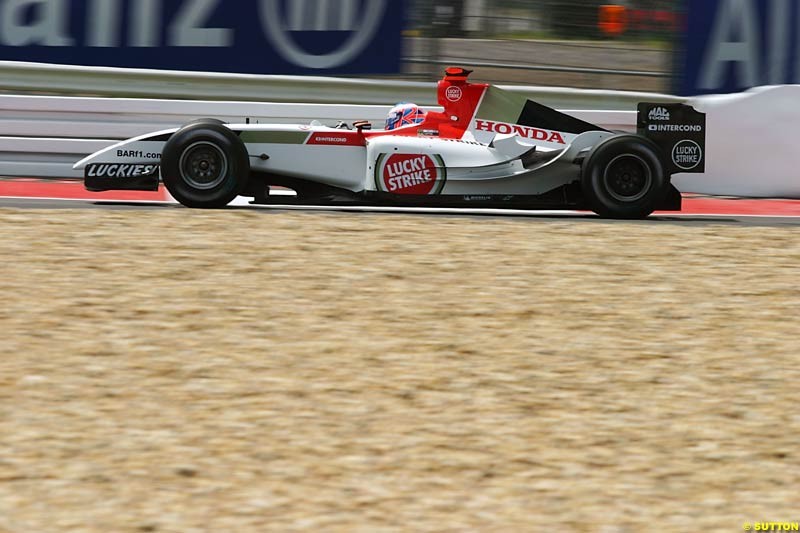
<point>415,174</point>
<point>687,155</point>
<point>453,93</point>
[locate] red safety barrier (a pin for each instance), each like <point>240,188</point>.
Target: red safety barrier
<point>612,20</point>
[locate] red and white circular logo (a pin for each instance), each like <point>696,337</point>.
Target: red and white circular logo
<point>415,174</point>
<point>454,93</point>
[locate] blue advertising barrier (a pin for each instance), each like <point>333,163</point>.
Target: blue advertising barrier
<point>244,36</point>
<point>733,45</point>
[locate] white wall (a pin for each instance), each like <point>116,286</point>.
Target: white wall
<point>752,144</point>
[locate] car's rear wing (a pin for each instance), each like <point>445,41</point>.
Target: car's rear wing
<point>680,131</point>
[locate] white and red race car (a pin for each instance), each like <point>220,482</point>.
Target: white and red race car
<point>487,148</point>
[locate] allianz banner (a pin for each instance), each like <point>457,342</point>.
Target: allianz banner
<point>733,45</point>
<point>246,36</point>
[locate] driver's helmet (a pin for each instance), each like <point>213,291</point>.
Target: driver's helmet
<point>404,114</point>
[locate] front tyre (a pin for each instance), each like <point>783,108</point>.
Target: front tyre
<point>205,165</point>
<point>624,177</point>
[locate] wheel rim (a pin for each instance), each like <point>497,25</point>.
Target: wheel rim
<point>203,165</point>
<point>627,178</point>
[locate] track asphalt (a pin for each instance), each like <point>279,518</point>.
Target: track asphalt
<point>41,194</point>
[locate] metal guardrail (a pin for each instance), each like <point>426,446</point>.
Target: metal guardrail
<point>37,78</point>
<point>543,68</point>
<point>40,78</point>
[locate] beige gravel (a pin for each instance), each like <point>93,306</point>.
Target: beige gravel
<point>185,371</point>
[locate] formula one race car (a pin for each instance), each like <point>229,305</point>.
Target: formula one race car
<point>487,148</point>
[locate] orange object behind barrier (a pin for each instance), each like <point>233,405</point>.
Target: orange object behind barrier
<point>613,20</point>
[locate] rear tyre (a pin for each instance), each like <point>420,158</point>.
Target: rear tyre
<point>205,165</point>
<point>624,177</point>
<point>205,121</point>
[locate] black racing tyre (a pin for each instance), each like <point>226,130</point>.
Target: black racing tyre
<point>205,165</point>
<point>205,121</point>
<point>624,177</point>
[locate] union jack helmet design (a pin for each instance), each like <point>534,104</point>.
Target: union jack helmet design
<point>404,114</point>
